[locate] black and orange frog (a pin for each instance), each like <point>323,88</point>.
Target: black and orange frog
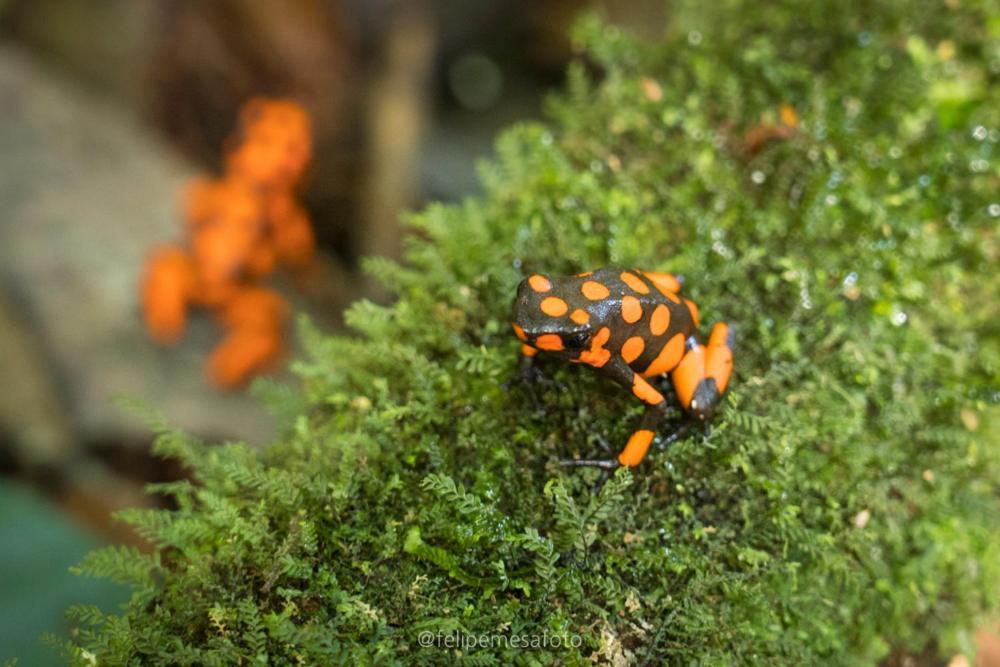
<point>633,326</point>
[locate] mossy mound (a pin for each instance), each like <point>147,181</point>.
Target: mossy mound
<point>847,502</point>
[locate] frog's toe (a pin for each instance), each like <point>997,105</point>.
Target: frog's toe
<point>609,464</point>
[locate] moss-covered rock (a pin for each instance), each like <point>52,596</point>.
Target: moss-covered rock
<point>847,501</point>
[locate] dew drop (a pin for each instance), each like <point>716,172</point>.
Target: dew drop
<point>994,210</point>
<point>694,38</point>
<point>758,176</point>
<point>979,133</point>
<point>721,249</point>
<point>804,296</point>
<point>899,318</point>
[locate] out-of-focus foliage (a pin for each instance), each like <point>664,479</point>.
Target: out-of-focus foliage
<point>846,503</point>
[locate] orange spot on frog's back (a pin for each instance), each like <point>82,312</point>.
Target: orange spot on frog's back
<point>631,309</point>
<point>659,322</point>
<point>540,283</point>
<point>580,316</point>
<point>594,290</point>
<point>519,332</point>
<point>634,282</point>
<point>553,306</point>
<point>666,283</point>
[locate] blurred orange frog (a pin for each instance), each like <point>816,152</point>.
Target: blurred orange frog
<point>239,227</point>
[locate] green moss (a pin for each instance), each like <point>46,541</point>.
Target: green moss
<point>412,492</point>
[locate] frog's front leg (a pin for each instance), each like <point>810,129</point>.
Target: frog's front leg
<point>529,375</point>
<point>529,367</point>
<point>656,407</point>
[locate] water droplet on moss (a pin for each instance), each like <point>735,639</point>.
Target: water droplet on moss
<point>979,133</point>
<point>758,176</point>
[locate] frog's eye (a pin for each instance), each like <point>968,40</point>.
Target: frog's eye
<point>576,341</point>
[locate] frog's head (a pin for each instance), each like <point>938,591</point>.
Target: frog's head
<point>548,316</point>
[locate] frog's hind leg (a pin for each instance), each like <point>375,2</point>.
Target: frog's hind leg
<point>703,374</point>
<point>638,444</point>
<point>665,281</point>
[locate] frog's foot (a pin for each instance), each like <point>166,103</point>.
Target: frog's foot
<point>678,433</point>
<point>529,374</point>
<point>533,375</point>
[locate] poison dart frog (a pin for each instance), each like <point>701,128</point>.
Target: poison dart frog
<point>632,326</point>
